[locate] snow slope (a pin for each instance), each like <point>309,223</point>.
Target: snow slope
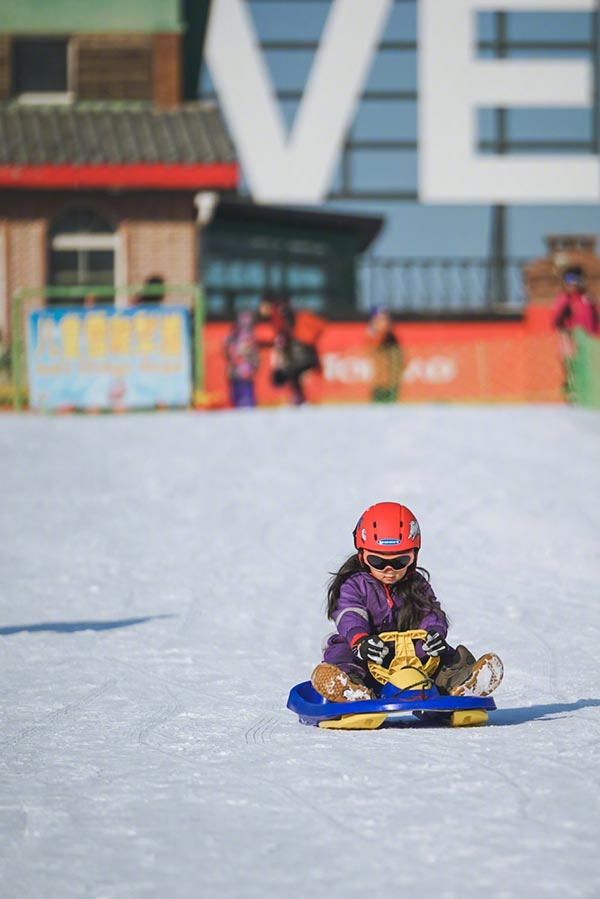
<point>163,583</point>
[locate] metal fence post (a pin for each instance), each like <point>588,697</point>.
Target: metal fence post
<point>198,349</point>
<point>17,353</point>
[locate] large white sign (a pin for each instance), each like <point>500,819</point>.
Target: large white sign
<point>298,167</point>
<point>454,83</point>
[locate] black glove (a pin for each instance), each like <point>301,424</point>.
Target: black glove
<point>371,648</point>
<point>435,645</point>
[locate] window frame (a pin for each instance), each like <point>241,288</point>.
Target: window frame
<point>36,97</point>
<point>85,242</point>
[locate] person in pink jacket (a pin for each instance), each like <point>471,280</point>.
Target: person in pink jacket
<point>573,308</point>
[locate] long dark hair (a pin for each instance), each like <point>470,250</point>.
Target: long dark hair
<point>416,602</point>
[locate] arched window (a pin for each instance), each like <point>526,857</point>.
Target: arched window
<point>82,246</point>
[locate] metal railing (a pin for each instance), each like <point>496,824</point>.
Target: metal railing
<point>441,286</point>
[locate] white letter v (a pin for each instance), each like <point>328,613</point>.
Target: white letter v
<point>299,170</point>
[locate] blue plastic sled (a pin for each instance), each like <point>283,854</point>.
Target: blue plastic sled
<point>428,705</point>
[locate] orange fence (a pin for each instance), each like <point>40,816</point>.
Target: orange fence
<point>512,361</point>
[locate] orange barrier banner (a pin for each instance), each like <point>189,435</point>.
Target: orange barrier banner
<point>458,362</point>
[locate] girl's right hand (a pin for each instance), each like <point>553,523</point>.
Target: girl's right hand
<point>371,648</point>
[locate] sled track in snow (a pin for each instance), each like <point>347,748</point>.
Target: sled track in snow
<point>155,720</point>
<point>261,731</point>
<point>260,734</point>
<point>58,716</point>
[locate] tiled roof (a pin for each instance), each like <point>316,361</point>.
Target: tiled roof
<point>92,134</point>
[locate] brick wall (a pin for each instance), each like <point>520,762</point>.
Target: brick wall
<point>4,67</point>
<point>158,248</point>
<point>113,67</point>
<point>160,236</point>
<point>25,261</point>
<point>167,70</point>
<point>157,236</point>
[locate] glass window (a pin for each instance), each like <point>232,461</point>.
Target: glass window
<point>216,303</point>
<point>247,301</point>
<point>276,277</point>
<point>81,253</point>
<point>40,65</point>
<point>255,275</point>
<point>216,275</point>
<point>82,221</point>
<point>316,269</point>
<point>314,302</point>
<point>100,267</point>
<point>65,268</point>
<point>305,276</point>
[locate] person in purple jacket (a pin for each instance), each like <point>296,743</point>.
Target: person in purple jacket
<point>379,589</point>
<point>242,360</point>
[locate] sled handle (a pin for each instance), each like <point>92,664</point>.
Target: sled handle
<point>404,655</point>
<point>389,636</point>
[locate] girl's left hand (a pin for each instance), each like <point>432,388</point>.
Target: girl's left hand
<point>435,645</point>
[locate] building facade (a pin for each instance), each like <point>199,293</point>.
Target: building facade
<point>104,167</point>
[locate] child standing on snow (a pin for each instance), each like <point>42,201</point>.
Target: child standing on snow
<point>379,589</point>
<point>295,337</point>
<point>386,356</point>
<point>242,360</point>
<point>573,308</point>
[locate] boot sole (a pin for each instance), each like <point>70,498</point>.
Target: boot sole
<point>487,674</point>
<point>334,684</point>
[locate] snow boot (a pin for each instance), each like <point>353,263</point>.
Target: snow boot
<point>467,676</point>
<point>337,686</point>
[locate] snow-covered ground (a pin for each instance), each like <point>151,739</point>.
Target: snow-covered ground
<point>163,585</point>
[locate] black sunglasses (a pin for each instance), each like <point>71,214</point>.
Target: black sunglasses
<point>398,562</point>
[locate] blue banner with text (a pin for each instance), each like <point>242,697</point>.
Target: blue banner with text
<point>105,358</point>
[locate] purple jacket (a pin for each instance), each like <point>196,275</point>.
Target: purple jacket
<point>366,606</point>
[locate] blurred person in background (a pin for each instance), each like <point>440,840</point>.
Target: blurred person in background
<point>573,308</point>
<point>386,355</point>
<point>152,293</point>
<point>5,360</point>
<point>242,360</point>
<point>294,343</point>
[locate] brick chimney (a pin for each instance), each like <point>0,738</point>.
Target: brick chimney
<point>543,277</point>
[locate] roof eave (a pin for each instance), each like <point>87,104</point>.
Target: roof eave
<point>135,176</point>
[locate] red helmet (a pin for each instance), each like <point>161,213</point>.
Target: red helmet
<point>387,527</point>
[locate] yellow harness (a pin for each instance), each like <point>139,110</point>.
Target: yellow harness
<point>406,671</point>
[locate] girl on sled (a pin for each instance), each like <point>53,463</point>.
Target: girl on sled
<point>379,589</point>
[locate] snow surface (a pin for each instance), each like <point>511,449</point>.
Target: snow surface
<point>163,584</point>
